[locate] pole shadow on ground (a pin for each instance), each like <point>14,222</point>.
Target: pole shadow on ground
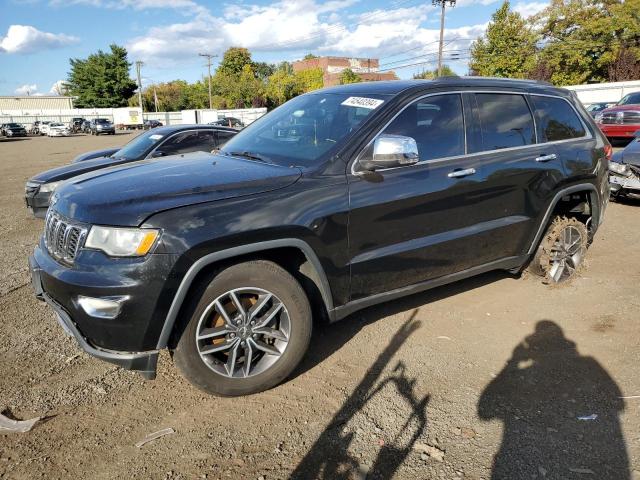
<point>559,411</point>
<point>330,457</point>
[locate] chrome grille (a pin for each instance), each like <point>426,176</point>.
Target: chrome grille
<point>621,118</point>
<point>62,237</point>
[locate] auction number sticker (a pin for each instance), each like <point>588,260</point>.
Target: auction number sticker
<point>363,102</point>
<point>155,136</point>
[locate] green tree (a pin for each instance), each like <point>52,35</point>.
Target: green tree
<point>281,86</point>
<point>310,79</point>
<point>348,76</point>
<point>431,74</point>
<point>309,56</point>
<point>234,60</point>
<point>507,49</point>
<point>263,70</point>
<point>101,80</point>
<point>584,40</point>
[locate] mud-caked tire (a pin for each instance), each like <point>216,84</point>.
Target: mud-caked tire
<point>562,250</point>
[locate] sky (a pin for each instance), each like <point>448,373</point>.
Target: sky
<point>38,37</point>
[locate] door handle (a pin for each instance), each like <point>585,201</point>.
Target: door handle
<point>546,158</point>
<point>461,173</point>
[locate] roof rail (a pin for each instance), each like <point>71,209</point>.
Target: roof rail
<point>514,80</point>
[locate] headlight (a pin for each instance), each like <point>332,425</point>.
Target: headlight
<point>49,187</point>
<point>620,168</point>
<point>122,242</point>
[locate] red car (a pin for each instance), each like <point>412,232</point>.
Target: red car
<point>623,119</point>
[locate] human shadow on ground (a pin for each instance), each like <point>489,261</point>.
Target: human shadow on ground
<point>560,413</point>
<point>330,457</point>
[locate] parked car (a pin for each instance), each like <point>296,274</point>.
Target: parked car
<point>101,126</point>
<point>35,128</point>
<point>624,170</point>
<point>44,127</point>
<point>337,200</point>
<point>75,125</point>
<point>152,124</point>
<point>13,130</point>
<point>622,120</point>
<point>160,142</point>
<point>58,130</point>
<point>594,108</point>
<point>228,122</point>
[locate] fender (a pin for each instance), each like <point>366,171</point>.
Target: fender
<point>201,263</point>
<point>595,210</point>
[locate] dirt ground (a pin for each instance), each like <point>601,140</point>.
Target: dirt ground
<point>493,377</point>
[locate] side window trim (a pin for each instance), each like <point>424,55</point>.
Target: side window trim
<point>588,134</point>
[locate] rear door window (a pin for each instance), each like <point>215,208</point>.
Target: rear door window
<point>192,141</point>
<point>556,119</point>
<point>436,123</point>
<point>505,121</point>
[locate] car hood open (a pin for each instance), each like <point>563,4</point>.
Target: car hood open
<point>128,194</point>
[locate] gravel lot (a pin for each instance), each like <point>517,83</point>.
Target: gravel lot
<point>486,378</point>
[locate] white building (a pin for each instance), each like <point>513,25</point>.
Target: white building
<point>604,92</point>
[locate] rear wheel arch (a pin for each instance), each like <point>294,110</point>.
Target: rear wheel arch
<point>310,274</point>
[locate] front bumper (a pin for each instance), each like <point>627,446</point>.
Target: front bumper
<point>16,134</point>
<point>618,131</point>
<point>105,130</point>
<point>619,182</point>
<point>59,133</point>
<point>128,340</point>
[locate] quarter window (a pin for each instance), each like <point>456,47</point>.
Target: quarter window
<point>505,121</point>
<point>436,123</point>
<point>556,119</point>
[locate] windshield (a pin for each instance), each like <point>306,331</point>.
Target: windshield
<point>302,130</point>
<point>102,120</point>
<point>13,125</point>
<point>138,148</point>
<point>630,99</point>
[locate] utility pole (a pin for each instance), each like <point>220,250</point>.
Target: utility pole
<point>442,4</point>
<point>139,64</point>
<point>209,56</point>
<point>155,97</point>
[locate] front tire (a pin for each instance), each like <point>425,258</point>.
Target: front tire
<point>247,332</point>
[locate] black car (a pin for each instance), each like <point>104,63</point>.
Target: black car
<point>152,124</point>
<point>160,142</point>
<point>101,126</point>
<point>337,200</point>
<point>86,126</point>
<point>13,130</point>
<point>624,170</point>
<point>229,122</point>
<point>76,123</point>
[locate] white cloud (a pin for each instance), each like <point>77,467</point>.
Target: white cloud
<point>301,26</point>
<point>527,9</point>
<point>188,7</point>
<point>28,39</point>
<point>58,88</point>
<point>26,89</point>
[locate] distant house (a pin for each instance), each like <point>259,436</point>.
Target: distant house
<point>35,102</point>
<point>365,68</point>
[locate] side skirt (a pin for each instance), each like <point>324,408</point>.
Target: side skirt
<point>509,263</point>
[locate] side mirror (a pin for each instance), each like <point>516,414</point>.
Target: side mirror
<point>158,153</point>
<point>390,151</point>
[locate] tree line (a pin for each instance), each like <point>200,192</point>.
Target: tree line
<point>570,42</point>
<point>102,80</point>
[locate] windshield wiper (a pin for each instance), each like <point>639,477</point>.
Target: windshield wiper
<point>245,154</point>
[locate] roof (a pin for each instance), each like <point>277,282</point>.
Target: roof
<point>393,87</point>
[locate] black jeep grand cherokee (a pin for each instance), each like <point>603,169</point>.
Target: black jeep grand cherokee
<point>339,199</point>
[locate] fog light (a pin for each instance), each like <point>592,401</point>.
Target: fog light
<point>108,307</point>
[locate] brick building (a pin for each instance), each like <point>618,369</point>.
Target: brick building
<point>365,68</point>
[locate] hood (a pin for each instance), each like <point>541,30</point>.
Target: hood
<point>95,154</point>
<point>619,108</point>
<point>128,194</point>
<point>75,169</point>
<point>631,153</point>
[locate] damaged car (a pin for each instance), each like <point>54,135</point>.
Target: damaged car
<point>624,171</point>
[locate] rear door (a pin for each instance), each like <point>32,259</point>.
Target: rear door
<point>518,171</point>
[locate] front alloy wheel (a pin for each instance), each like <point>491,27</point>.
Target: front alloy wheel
<point>246,332</point>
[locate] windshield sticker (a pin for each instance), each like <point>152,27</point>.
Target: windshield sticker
<point>155,136</point>
<point>363,102</point>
